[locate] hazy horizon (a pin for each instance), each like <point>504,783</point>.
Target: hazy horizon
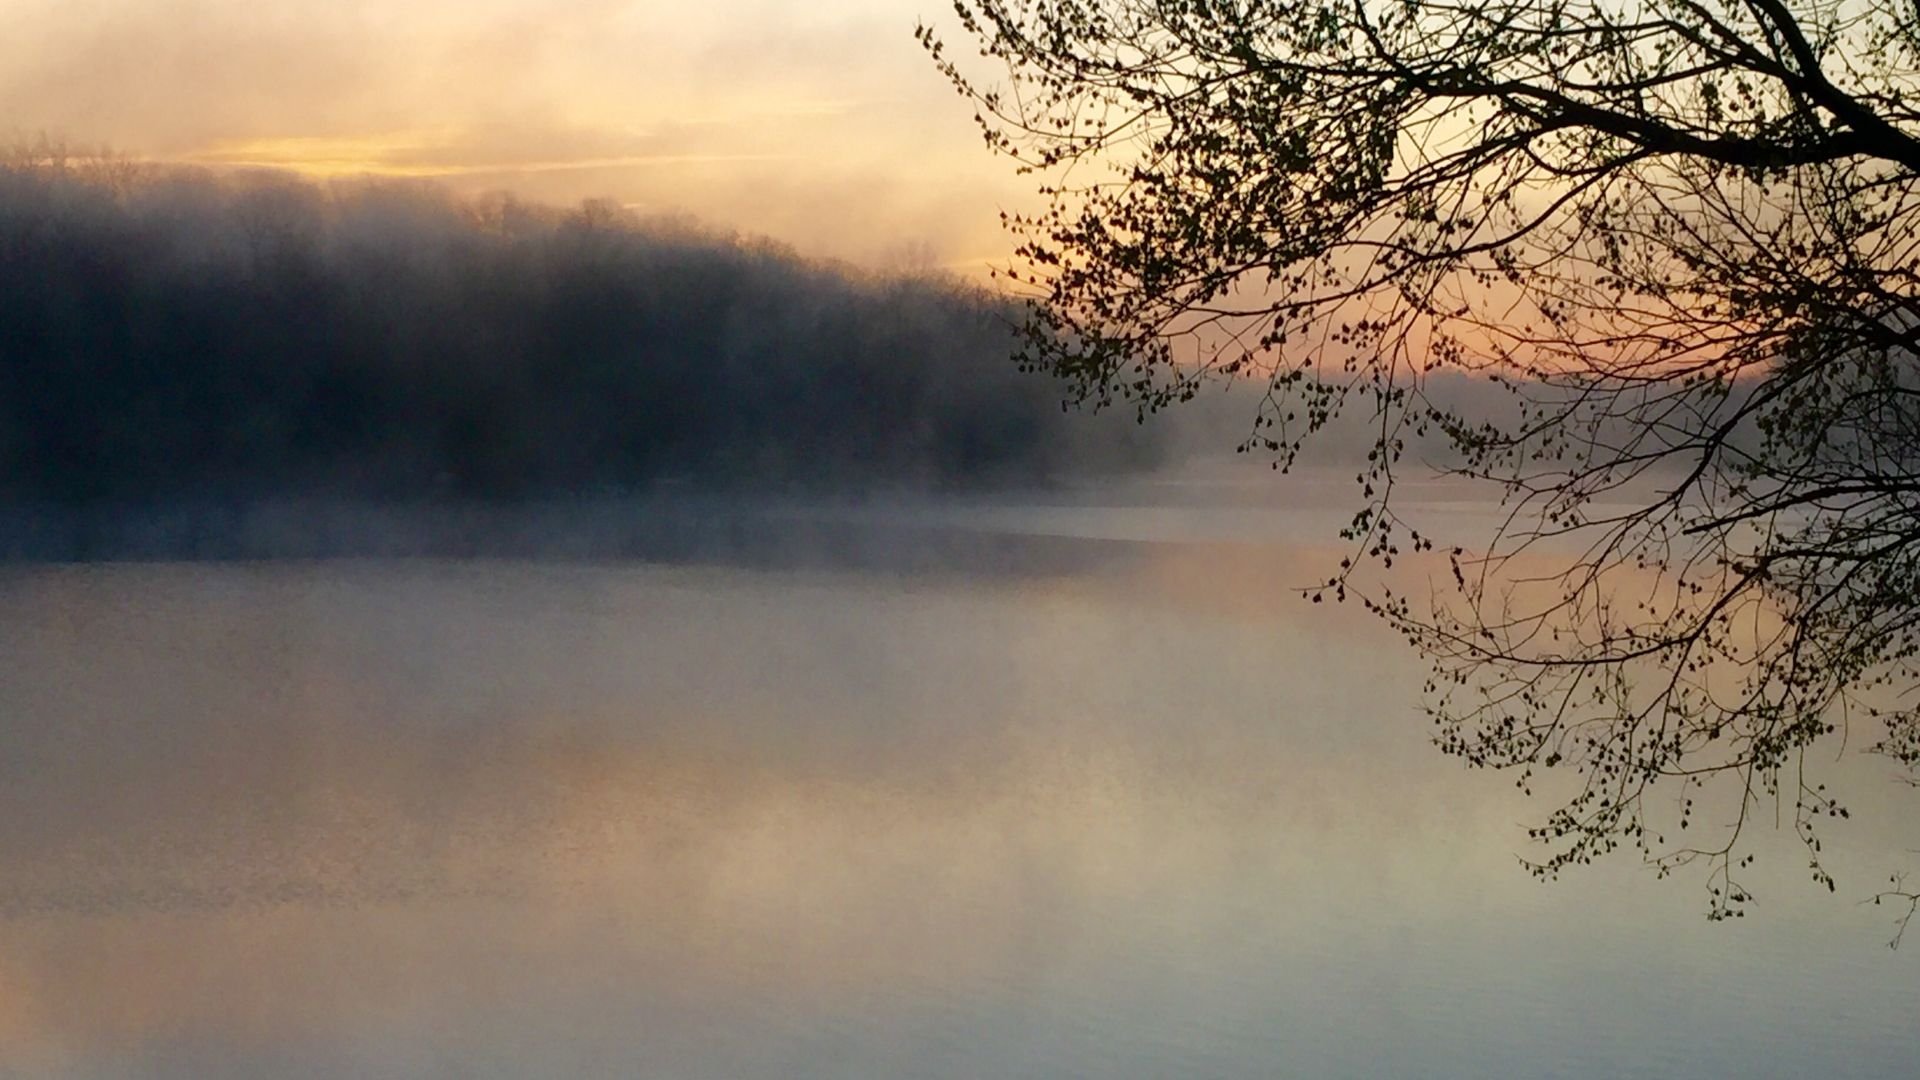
<point>820,125</point>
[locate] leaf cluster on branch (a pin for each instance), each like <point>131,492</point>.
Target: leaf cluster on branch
<point>1683,234</point>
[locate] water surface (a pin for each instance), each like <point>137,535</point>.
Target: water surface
<point>1137,812</point>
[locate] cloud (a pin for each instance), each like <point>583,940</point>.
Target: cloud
<point>498,149</point>
<point>819,123</point>
<point>160,78</point>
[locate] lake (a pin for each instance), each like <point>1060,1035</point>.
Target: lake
<point>1066,786</point>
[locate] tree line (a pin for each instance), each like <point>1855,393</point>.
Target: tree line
<point>170,334</point>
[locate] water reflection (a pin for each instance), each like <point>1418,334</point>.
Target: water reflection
<point>519,819</point>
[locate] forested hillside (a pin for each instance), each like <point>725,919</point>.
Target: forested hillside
<point>167,334</point>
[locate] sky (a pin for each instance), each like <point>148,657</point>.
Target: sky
<point>819,123</point>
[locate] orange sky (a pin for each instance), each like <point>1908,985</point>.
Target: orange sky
<point>818,123</point>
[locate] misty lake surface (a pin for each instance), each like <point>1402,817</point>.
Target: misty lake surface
<point>1087,791</point>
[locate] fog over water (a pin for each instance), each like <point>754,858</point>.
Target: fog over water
<point>1080,787</point>
<point>452,637</point>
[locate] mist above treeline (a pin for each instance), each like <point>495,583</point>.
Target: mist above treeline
<point>171,334</point>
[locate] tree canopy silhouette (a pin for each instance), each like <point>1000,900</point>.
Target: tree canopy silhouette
<point>1685,234</point>
<point>169,335</point>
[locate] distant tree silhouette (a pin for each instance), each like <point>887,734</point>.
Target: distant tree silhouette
<point>166,334</point>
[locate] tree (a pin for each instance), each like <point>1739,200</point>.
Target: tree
<point>171,338</point>
<point>1683,235</point>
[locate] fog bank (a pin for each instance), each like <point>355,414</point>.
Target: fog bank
<point>173,335</point>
